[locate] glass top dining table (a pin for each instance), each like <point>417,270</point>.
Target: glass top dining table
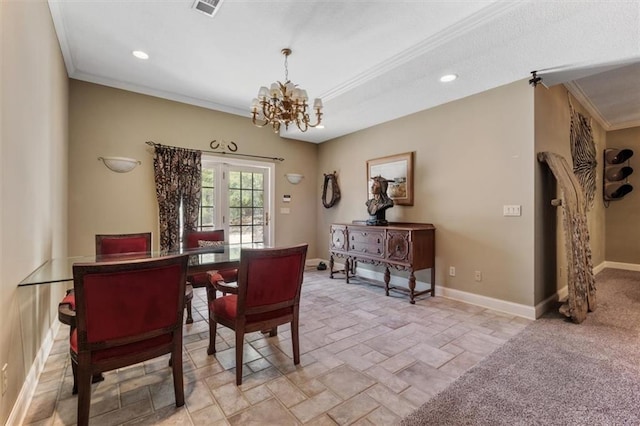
<point>200,259</point>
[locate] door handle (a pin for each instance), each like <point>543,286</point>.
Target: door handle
<point>266,218</point>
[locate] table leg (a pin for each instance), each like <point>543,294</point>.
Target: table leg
<point>433,281</point>
<point>412,287</point>
<point>387,278</point>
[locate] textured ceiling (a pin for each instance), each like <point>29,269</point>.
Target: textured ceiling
<point>370,61</point>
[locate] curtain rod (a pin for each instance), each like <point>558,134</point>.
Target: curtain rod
<point>154,144</point>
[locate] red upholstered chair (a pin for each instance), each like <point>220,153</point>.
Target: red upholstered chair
<point>123,244</point>
<point>268,295</point>
<point>196,239</point>
<point>127,245</point>
<point>111,247</point>
<point>127,312</point>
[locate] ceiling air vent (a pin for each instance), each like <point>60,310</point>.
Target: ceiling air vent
<point>208,7</point>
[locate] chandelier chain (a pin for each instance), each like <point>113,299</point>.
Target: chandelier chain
<point>286,67</point>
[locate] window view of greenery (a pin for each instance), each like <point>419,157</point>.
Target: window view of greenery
<point>246,207</point>
<point>206,221</point>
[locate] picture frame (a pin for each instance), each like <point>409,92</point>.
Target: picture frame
<point>398,169</point>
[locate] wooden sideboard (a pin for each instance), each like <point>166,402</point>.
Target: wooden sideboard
<point>402,246</point>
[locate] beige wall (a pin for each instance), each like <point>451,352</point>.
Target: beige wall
<point>111,122</point>
<point>33,188</point>
<point>472,156</point>
<point>623,216</point>
<point>552,133</point>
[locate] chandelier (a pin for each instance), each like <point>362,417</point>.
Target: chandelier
<point>284,103</point>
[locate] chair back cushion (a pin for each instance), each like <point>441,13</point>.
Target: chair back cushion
<point>270,277</point>
<point>124,302</point>
<point>192,238</point>
<point>123,243</point>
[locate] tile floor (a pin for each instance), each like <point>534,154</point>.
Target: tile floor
<point>366,359</point>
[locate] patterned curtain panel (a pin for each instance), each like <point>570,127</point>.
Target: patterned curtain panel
<point>177,171</point>
<point>191,186</point>
<point>583,152</point>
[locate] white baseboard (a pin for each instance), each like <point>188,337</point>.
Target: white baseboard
<point>517,309</point>
<point>598,268</point>
<point>19,410</point>
<point>620,265</point>
<point>546,304</point>
<point>313,263</point>
<point>511,308</point>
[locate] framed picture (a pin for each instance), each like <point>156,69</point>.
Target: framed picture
<point>398,170</point>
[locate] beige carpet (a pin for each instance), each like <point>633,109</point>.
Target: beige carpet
<point>556,372</point>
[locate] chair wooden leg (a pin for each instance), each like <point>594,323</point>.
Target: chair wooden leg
<point>84,394</point>
<point>212,336</point>
<point>295,341</point>
<point>239,350</point>
<point>74,368</point>
<point>189,317</point>
<point>273,332</point>
<point>178,381</point>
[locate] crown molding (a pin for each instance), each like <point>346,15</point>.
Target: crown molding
<point>159,94</point>
<point>581,97</point>
<point>61,33</point>
<point>420,49</point>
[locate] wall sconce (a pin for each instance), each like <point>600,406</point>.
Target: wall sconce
<point>294,178</point>
<point>120,164</point>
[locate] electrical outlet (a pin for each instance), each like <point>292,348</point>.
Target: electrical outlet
<point>5,378</point>
<point>452,271</point>
<point>478,275</point>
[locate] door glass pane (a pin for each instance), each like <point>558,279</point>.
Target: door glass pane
<point>258,181</point>
<point>258,234</point>
<point>247,216</point>
<point>234,198</point>
<point>234,235</point>
<point>207,216</point>
<point>247,180</point>
<point>247,198</point>
<point>258,216</point>
<point>258,198</point>
<point>234,180</point>
<point>208,178</point>
<point>208,197</point>
<point>234,216</point>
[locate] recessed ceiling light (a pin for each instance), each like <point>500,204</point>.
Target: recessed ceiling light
<point>320,126</point>
<point>140,54</point>
<point>449,77</point>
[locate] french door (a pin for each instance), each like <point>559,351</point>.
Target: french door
<point>237,196</point>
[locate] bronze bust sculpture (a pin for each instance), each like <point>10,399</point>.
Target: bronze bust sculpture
<point>380,202</point>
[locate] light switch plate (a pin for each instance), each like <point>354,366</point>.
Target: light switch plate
<point>512,210</point>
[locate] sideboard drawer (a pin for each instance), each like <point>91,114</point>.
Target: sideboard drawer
<point>371,250</point>
<point>366,237</point>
